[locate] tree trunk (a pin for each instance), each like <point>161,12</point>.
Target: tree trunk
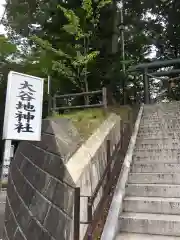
<point>115,36</point>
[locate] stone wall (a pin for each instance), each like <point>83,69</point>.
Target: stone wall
<point>43,176</point>
<point>39,196</point>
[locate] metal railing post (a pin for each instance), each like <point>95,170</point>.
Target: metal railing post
<point>76,234</point>
<point>90,218</point>
<point>108,152</point>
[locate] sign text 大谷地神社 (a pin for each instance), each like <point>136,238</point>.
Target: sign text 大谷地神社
<point>23,110</point>
<point>23,113</point>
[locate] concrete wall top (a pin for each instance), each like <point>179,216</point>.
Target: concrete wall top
<point>84,155</point>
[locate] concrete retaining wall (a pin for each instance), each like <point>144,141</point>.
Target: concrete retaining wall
<point>43,176</point>
<point>89,162</point>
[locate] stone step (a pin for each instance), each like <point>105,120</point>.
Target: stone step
<point>159,123</point>
<point>158,120</point>
<point>158,126</point>
<point>163,150</point>
<point>134,236</point>
<point>153,190</point>
<point>151,118</point>
<point>155,127</point>
<point>160,114</point>
<point>167,178</point>
<point>160,132</point>
<point>174,111</point>
<point>157,152</point>
<point>160,111</point>
<point>164,131</point>
<point>164,140</point>
<point>150,223</point>
<point>169,123</point>
<point>151,124</point>
<point>152,205</point>
<point>162,126</point>
<point>155,168</point>
<point>153,146</point>
<point>161,118</point>
<point>156,159</point>
<point>148,135</point>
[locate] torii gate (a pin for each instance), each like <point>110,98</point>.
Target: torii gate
<point>145,67</point>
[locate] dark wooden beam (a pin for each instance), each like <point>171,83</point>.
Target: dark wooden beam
<point>166,73</point>
<point>155,64</point>
<point>146,87</point>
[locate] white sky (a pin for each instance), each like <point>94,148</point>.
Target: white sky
<point>1,13</point>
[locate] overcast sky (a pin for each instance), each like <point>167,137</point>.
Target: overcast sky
<point>1,13</point>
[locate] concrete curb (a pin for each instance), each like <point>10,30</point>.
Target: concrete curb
<point>112,222</point>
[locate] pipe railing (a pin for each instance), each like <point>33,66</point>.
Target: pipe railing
<point>107,181</point>
<point>112,221</point>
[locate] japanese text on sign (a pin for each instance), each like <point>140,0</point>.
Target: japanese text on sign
<point>23,112</point>
<point>25,108</point>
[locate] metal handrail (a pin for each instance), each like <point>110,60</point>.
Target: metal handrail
<point>92,198</point>
<point>111,225</point>
<point>121,147</point>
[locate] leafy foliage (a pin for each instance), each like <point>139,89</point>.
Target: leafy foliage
<point>72,41</point>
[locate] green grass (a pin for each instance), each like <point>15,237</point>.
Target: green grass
<point>87,121</point>
<point>4,184</point>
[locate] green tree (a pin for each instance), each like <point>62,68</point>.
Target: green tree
<point>72,32</point>
<point>81,26</point>
<point>8,53</point>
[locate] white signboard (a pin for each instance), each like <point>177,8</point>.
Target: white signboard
<point>23,110</point>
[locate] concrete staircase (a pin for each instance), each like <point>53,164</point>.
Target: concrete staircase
<point>151,208</point>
